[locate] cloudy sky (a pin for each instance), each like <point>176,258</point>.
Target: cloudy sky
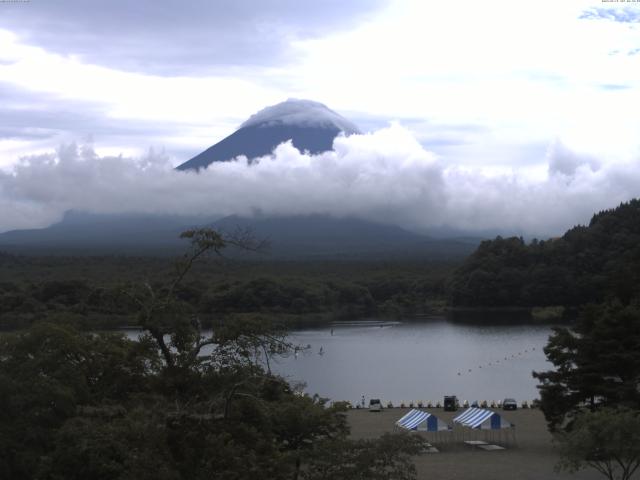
<point>505,114</point>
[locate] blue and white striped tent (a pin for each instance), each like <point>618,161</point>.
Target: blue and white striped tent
<point>482,419</point>
<point>422,421</point>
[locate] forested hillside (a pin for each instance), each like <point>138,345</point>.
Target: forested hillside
<point>587,264</point>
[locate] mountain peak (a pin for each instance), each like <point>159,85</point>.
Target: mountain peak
<point>310,126</point>
<point>301,113</point>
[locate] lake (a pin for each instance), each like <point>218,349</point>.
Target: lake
<point>417,361</point>
<point>414,361</point>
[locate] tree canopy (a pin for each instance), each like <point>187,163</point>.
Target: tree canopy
<point>174,404</point>
<point>606,440</point>
<point>587,264</point>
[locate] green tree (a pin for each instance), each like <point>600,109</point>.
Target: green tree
<point>596,363</point>
<point>607,440</point>
<point>49,374</point>
<point>387,458</point>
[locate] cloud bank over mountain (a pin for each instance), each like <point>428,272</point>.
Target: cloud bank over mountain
<point>385,176</point>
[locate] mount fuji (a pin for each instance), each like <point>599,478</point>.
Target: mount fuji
<point>311,127</point>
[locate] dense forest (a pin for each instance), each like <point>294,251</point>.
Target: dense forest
<point>588,264</point>
<point>92,290</point>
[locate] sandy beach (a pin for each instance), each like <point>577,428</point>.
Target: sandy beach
<point>531,457</point>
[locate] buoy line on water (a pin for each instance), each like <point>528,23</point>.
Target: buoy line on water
<point>497,362</point>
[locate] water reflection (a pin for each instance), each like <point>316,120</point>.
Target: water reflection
<point>419,361</point>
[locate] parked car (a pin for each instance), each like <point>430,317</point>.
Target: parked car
<point>450,403</point>
<point>509,404</point>
<point>375,405</point>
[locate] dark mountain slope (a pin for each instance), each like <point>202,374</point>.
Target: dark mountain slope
<point>255,141</point>
<point>80,232</point>
<point>303,237</point>
<point>324,236</point>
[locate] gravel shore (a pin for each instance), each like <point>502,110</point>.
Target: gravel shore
<point>531,457</point>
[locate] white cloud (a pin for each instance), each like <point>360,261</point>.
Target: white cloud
<point>564,161</point>
<point>487,85</point>
<point>526,72</point>
<point>385,176</point>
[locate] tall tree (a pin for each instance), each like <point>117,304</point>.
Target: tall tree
<point>597,362</point>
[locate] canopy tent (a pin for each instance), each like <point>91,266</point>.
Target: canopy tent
<point>422,421</point>
<point>482,419</point>
<point>490,423</point>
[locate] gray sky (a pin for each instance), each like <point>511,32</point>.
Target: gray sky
<point>512,94</point>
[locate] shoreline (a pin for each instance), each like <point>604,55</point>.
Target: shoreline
<point>472,317</point>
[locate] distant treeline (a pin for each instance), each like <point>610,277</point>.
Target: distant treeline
<point>586,265</point>
<point>94,291</point>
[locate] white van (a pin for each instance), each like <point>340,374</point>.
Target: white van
<point>375,405</point>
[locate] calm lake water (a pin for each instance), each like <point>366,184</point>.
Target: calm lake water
<point>413,361</point>
<point>419,361</point>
